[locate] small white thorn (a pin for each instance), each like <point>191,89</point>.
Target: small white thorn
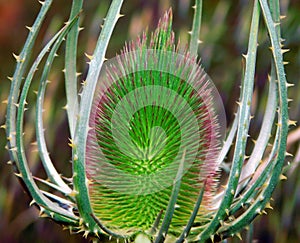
<point>29,28</point>
<point>90,57</point>
<point>245,56</point>
<point>73,193</point>
<point>276,24</point>
<point>292,123</point>
<point>268,205</point>
<point>18,58</point>
<point>71,144</point>
<point>18,175</point>
<point>282,177</point>
<point>238,235</point>
<point>284,51</point>
<point>120,15</point>
<point>282,17</point>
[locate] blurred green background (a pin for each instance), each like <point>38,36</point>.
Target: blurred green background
<point>224,36</point>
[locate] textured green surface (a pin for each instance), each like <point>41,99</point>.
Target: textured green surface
<point>161,115</point>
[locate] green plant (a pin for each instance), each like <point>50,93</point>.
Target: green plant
<point>248,188</point>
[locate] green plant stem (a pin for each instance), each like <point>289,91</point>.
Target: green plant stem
<point>21,66</point>
<point>44,203</point>
<point>163,231</point>
<point>195,32</point>
<point>82,128</point>
<point>70,68</point>
<point>242,133</point>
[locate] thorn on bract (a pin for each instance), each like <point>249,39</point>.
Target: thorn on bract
<point>292,123</point>
<point>282,17</point>
<point>83,83</point>
<point>32,202</point>
<point>73,193</point>
<point>121,15</point>
<point>29,28</point>
<point>276,24</point>
<point>18,175</point>
<point>86,233</point>
<point>268,205</point>
<point>90,57</point>
<point>284,51</point>
<point>80,221</point>
<point>289,85</point>
<point>245,56</point>
<point>258,211</point>
<point>96,233</point>
<point>238,235</point>
<point>14,149</point>
<point>71,144</point>
<point>18,58</point>
<point>282,177</point>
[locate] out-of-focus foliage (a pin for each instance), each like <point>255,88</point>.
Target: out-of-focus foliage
<point>224,33</point>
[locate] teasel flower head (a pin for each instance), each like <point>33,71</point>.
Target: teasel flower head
<point>154,126</point>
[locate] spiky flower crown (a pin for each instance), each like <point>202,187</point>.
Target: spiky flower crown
<point>153,123</point>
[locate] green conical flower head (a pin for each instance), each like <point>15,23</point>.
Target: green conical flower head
<point>152,109</point>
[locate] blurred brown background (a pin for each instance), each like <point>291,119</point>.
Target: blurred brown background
<point>224,35</point>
